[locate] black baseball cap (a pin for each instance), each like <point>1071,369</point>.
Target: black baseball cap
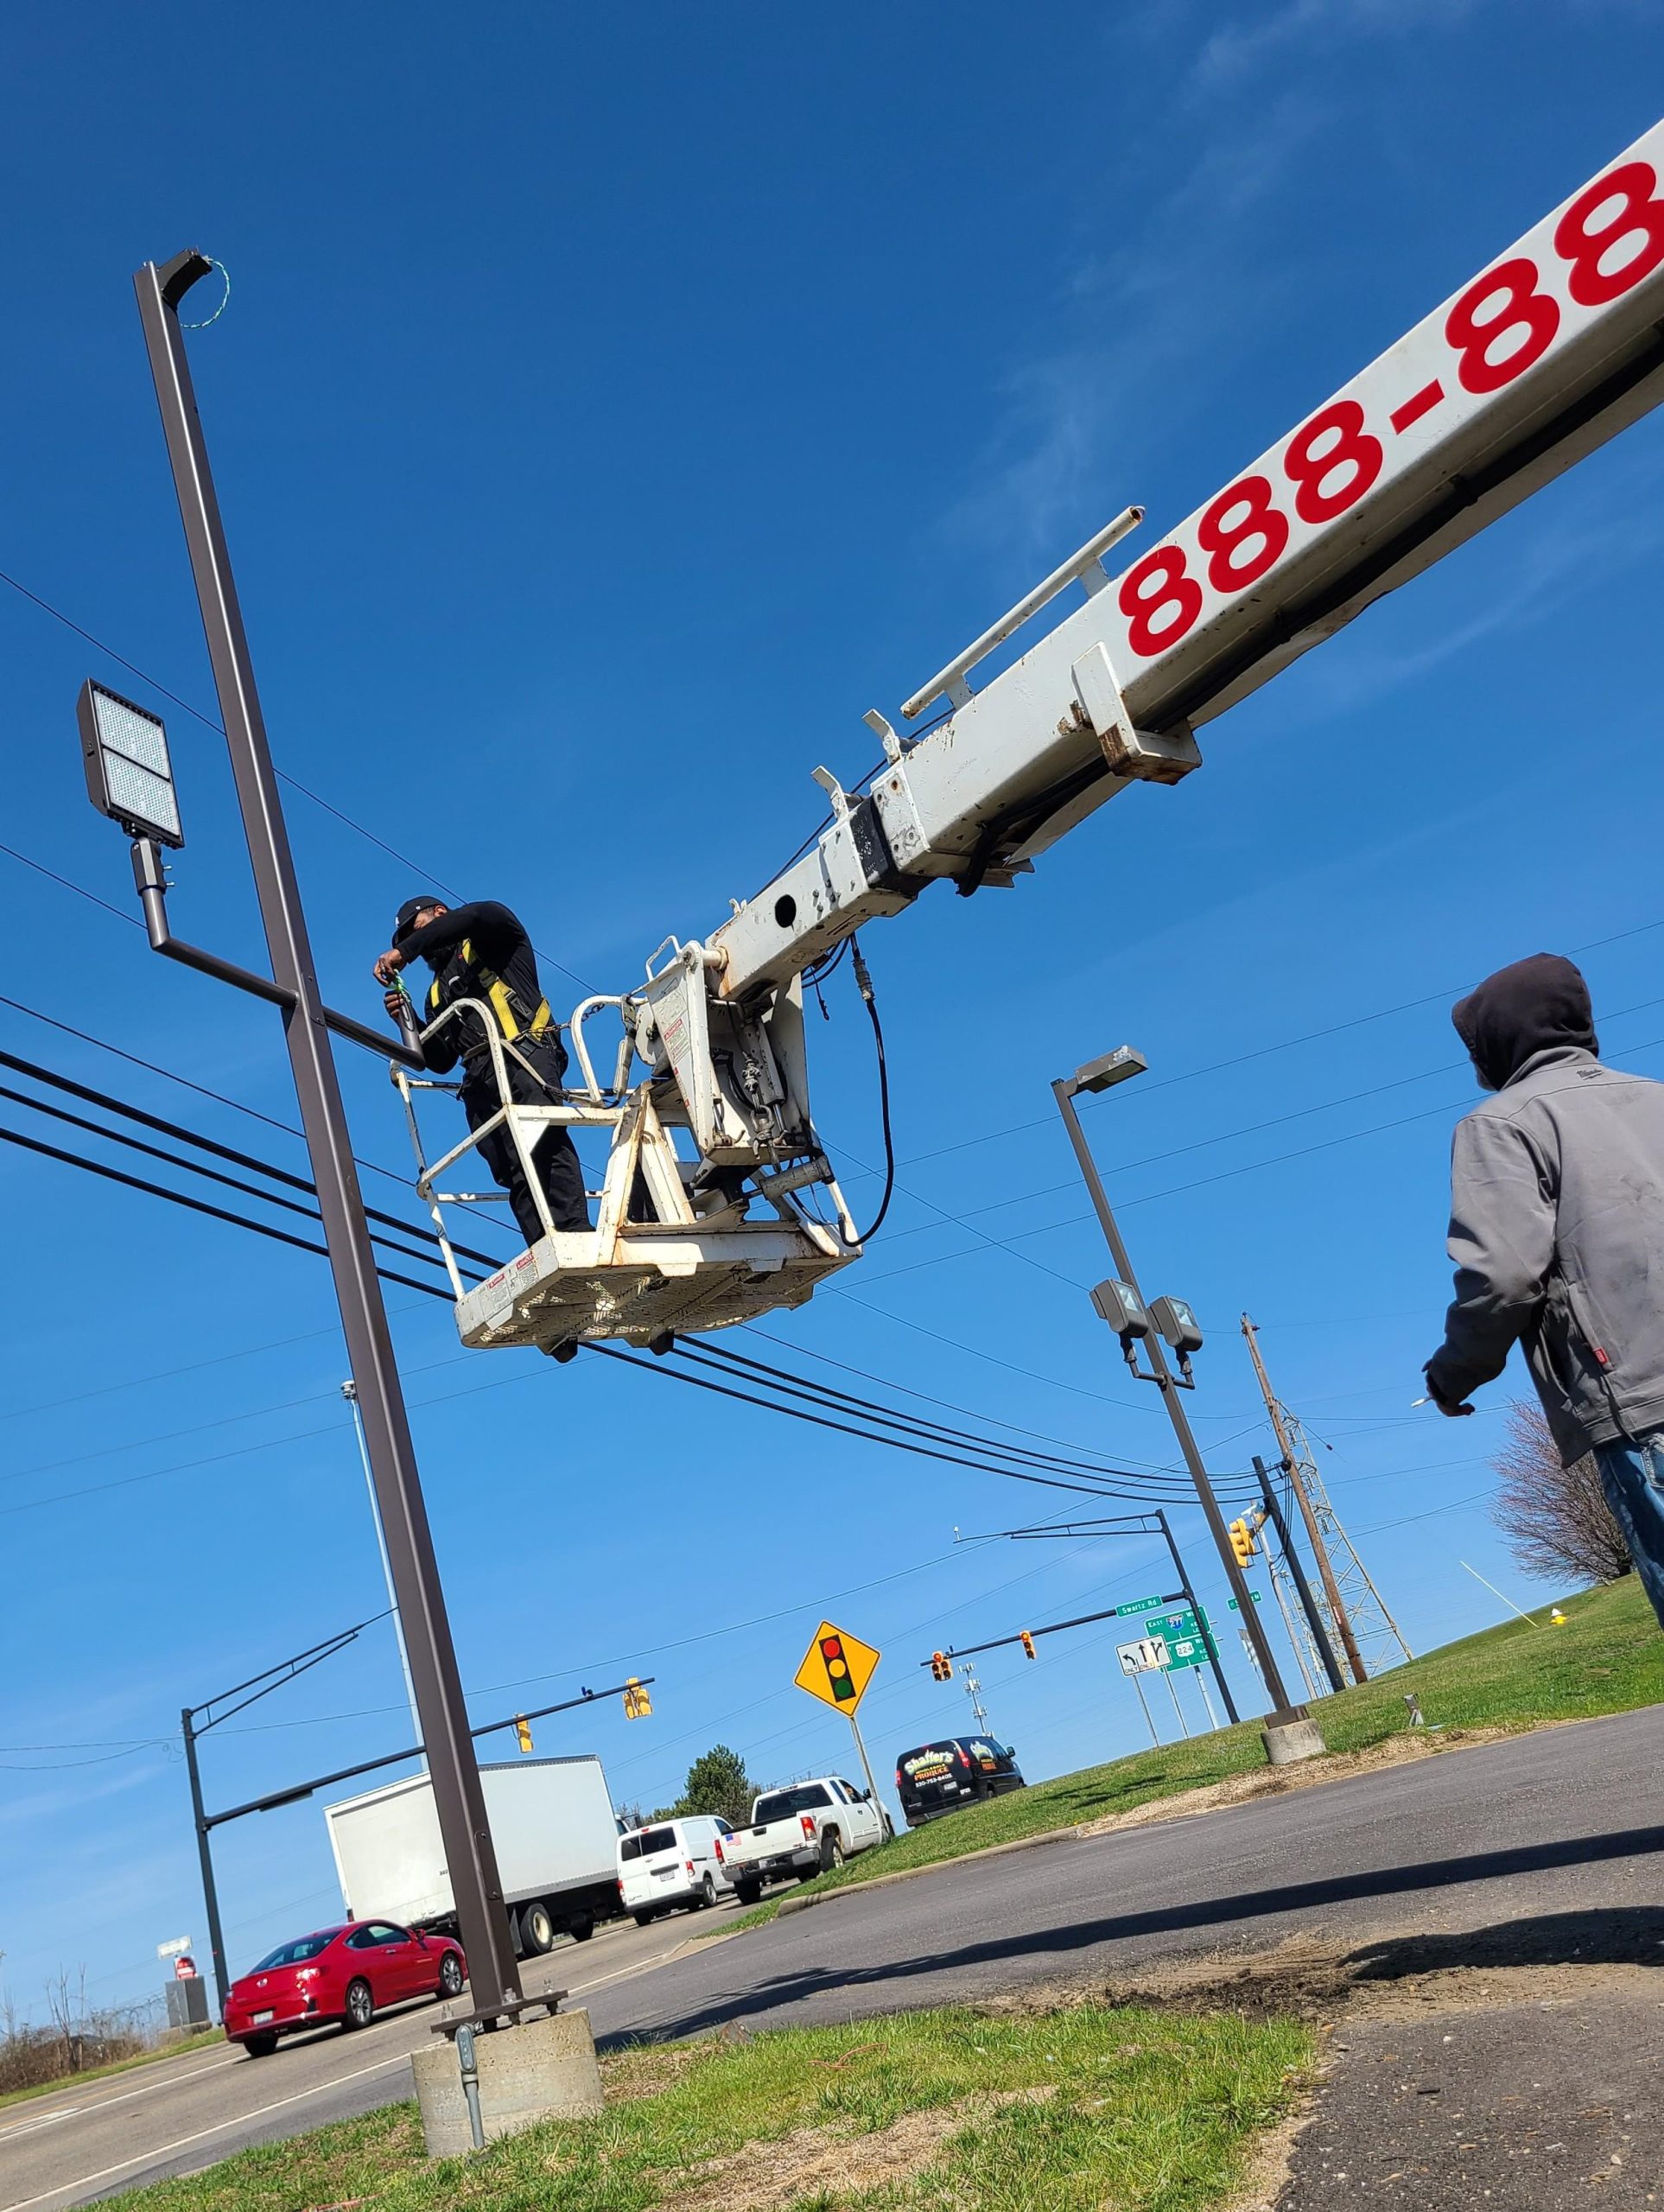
<point>404,920</point>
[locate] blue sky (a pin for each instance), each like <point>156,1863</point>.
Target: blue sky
<point>607,412</point>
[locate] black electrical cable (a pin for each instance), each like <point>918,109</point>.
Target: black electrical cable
<point>177,1130</point>
<point>208,1175</point>
<point>864,985</point>
<point>198,1205</point>
<point>820,1420</point>
<point>202,1089</point>
<point>1160,1484</point>
<point>431,1290</point>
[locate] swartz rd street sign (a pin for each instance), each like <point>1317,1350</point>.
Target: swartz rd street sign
<point>1140,1604</point>
<point>836,1668</point>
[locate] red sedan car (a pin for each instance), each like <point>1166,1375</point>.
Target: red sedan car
<point>339,1974</point>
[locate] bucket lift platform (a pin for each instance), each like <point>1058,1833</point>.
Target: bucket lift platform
<point>674,1248</point>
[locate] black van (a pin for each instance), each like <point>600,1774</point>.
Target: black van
<point>958,1771</point>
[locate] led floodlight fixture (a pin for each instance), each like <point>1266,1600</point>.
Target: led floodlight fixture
<point>129,776</point>
<point>1112,1068</point>
<point>1176,1322</point>
<point>1122,1308</point>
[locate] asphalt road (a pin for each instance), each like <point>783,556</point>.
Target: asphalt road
<point>1482,1852</point>
<point>179,2114</point>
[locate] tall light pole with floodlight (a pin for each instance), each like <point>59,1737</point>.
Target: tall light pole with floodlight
<point>1290,1732</point>
<point>130,777</point>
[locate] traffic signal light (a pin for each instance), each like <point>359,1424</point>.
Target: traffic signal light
<point>1027,1643</point>
<point>837,1669</point>
<point>523,1731</point>
<point>1242,1543</point>
<point>637,1706</point>
<point>940,1666</point>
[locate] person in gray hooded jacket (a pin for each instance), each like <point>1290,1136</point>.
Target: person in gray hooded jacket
<point>1557,1230</point>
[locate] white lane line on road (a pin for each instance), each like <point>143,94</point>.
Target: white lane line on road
<point>105,2104</point>
<point>165,2150</point>
<point>40,2120</point>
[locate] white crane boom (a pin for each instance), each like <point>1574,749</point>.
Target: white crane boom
<point>1554,347</point>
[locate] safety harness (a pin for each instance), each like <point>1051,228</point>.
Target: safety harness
<point>465,977</point>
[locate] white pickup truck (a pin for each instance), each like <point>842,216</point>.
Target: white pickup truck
<point>805,1829</point>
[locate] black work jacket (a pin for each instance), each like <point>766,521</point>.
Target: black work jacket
<point>482,951</point>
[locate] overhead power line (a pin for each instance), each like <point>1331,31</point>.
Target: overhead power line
<point>978,1455</point>
<point>57,1081</point>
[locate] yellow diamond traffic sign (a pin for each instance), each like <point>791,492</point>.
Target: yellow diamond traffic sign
<point>836,1668</point>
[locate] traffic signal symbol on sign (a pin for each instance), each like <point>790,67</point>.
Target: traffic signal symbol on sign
<point>523,1732</point>
<point>837,1668</point>
<point>637,1706</point>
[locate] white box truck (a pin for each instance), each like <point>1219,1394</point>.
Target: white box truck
<point>556,1839</point>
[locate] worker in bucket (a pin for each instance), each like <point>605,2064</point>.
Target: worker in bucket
<point>1557,1230</point>
<point>481,952</point>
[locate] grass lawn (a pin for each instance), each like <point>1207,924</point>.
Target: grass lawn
<point>186,2044</point>
<point>1091,2110</point>
<point>1609,1657</point>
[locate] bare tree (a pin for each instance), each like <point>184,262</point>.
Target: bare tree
<point>1555,1518</point>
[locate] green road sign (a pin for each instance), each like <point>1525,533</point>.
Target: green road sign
<point>1185,1651</point>
<point>1232,1602</point>
<point>1140,1604</point>
<point>1172,1624</point>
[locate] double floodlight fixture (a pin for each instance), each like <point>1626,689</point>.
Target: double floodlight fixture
<point>1104,1073</point>
<point>129,773</point>
<point>1170,1318</point>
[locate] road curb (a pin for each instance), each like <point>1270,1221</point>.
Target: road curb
<point>804,1903</point>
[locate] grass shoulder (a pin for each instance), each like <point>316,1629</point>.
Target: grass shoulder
<point>940,2111</point>
<point>1608,1658</point>
<point>186,2046</point>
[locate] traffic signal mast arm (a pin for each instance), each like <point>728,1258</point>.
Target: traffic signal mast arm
<point>1553,348</point>
<point>1080,1620</point>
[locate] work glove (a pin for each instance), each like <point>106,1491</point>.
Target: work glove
<point>1442,1388</point>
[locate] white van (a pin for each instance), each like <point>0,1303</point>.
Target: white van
<point>673,1863</point>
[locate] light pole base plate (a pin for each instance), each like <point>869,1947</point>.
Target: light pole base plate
<point>1289,1740</point>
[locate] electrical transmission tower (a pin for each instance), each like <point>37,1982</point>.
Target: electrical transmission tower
<point>1360,1624</point>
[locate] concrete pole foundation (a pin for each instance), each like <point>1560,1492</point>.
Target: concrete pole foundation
<point>1289,1740</point>
<point>542,2070</point>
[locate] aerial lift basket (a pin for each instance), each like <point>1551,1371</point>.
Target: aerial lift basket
<point>674,1249</point>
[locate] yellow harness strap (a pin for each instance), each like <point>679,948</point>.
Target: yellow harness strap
<point>504,1003</point>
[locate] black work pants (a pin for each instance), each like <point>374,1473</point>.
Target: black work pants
<point>553,1156</point>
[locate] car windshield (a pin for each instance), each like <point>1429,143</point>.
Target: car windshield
<point>297,1952</point>
<point>648,1844</point>
<point>780,1804</point>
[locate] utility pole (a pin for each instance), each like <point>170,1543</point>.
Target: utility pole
<point>1314,1619</point>
<point>459,1798</point>
<point>1324,1527</point>
<point>1286,1714</point>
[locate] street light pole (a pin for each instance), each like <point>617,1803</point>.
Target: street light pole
<point>459,1797</point>
<point>1286,1712</point>
<point>205,1856</point>
<point>350,1392</point>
